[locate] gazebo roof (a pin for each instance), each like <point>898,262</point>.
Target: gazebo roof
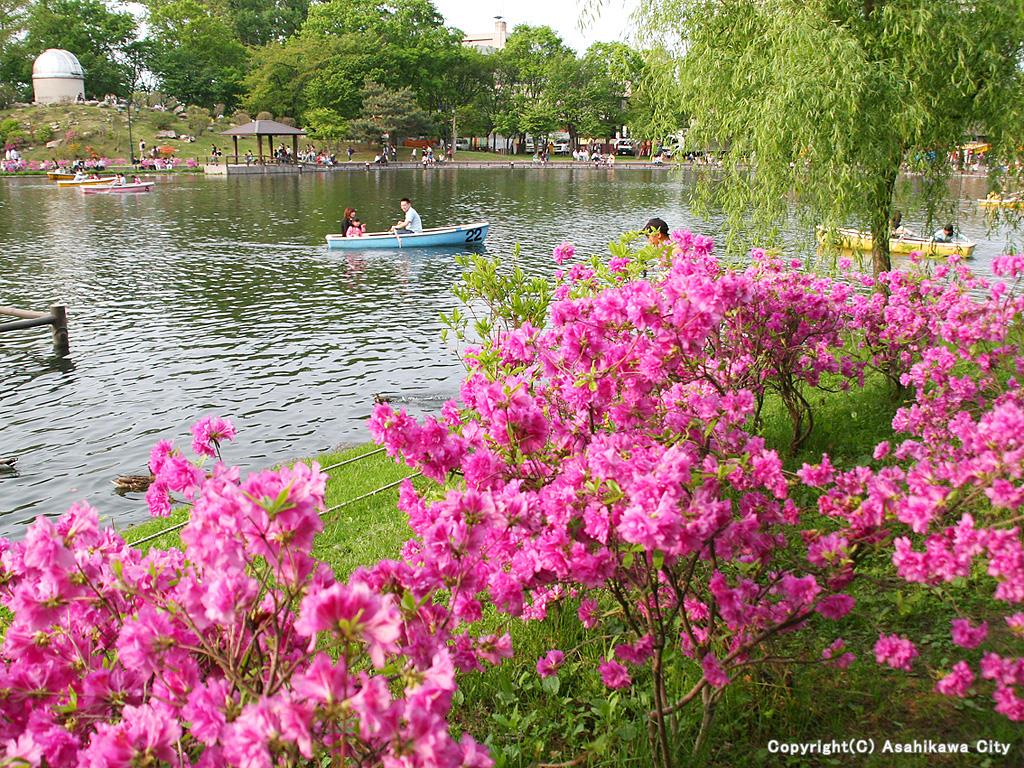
<point>263,128</point>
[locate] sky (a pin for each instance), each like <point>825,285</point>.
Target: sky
<point>473,16</point>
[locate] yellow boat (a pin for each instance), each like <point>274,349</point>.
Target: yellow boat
<point>998,201</point>
<point>86,182</point>
<point>856,240</point>
<point>58,175</point>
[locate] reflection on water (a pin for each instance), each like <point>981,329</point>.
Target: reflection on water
<point>219,296</point>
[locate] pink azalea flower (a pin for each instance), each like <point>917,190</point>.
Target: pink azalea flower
<point>564,252</point>
<point>613,674</point>
<point>713,671</point>
<point>354,613</point>
<point>209,432</point>
<point>957,682</point>
<point>897,652</point>
<point>588,612</point>
<point>548,664</point>
<point>967,636</point>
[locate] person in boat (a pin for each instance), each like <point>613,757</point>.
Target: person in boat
<point>120,180</point>
<point>136,180</point>
<point>411,223</point>
<point>896,228</point>
<point>80,175</point>
<point>944,235</point>
<point>347,221</point>
<point>657,231</point>
<point>356,227</point>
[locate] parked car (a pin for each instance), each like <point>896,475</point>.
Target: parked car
<point>562,147</point>
<point>530,147</point>
<point>624,147</point>
<point>462,144</point>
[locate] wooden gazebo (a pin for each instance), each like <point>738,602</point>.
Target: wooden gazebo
<point>268,128</point>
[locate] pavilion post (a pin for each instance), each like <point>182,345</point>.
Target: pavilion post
<point>259,142</point>
<point>295,149</point>
<point>235,138</point>
<point>270,146</point>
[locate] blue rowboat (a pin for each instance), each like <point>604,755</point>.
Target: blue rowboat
<point>462,234</point>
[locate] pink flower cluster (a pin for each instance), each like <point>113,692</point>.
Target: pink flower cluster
<point>239,650</point>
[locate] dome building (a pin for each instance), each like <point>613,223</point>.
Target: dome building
<point>57,77</point>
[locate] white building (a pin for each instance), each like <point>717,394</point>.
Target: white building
<point>57,77</point>
<point>489,42</point>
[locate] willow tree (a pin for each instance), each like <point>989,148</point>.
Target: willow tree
<point>822,101</point>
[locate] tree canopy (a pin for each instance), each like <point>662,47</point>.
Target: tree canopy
<point>391,113</point>
<point>197,60</point>
<point>827,98</point>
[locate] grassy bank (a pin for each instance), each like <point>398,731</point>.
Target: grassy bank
<point>85,129</point>
<point>573,719</point>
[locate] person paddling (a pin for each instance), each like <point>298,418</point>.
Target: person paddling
<point>411,223</point>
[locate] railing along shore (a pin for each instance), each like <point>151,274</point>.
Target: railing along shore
<point>56,318</point>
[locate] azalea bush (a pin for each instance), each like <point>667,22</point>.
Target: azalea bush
<point>608,460</point>
<point>611,459</point>
<point>947,497</point>
<point>240,649</point>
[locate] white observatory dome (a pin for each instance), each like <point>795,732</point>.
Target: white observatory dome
<point>55,62</point>
<point>57,77</point>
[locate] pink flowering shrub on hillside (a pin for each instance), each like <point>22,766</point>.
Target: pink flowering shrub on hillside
<point>240,650</point>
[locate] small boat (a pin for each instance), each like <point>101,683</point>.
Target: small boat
<point>461,234</point>
<point>998,201</point>
<point>59,175</point>
<point>856,240</point>
<point>117,189</point>
<point>86,182</point>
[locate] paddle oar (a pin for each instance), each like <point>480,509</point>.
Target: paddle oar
<point>398,237</point>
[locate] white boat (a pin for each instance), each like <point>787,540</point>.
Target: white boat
<point>461,234</point>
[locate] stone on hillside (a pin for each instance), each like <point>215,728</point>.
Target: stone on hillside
<point>179,109</point>
<point>54,144</point>
<point>166,135</point>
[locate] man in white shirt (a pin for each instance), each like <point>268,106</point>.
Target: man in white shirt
<point>411,223</point>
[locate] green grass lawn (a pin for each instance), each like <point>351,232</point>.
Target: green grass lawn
<point>527,721</point>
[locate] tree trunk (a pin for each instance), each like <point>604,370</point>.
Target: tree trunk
<point>885,190</point>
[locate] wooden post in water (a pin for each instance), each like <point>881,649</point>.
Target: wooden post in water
<point>59,314</point>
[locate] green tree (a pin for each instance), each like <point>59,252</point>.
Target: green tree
<point>390,112</point>
<point>324,124</point>
<point>15,61</point>
<point>400,43</point>
<point>469,75</point>
<point>827,98</point>
<point>587,95</point>
<point>655,109</point>
<point>259,22</point>
<point>522,74</point>
<point>196,57</point>
<point>90,30</point>
<point>280,72</point>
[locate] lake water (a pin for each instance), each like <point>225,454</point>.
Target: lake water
<point>214,295</point>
